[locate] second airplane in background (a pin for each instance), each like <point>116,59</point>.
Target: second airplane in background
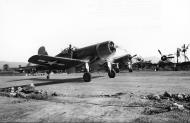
<point>123,62</point>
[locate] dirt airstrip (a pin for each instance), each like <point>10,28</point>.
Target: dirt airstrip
<point>121,99</point>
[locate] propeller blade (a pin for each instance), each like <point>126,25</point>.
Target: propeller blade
<point>160,52</point>
<point>183,46</point>
<point>134,55</point>
<point>170,57</point>
<point>187,46</point>
<point>170,54</point>
<point>187,58</point>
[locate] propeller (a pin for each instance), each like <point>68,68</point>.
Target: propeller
<point>165,57</point>
<point>184,48</point>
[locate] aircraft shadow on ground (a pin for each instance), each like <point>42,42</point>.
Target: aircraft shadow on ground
<point>54,81</point>
<point>59,81</point>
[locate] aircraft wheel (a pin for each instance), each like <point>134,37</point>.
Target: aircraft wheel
<point>111,73</point>
<point>87,77</point>
<point>130,70</point>
<point>117,70</point>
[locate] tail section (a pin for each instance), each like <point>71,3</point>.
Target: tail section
<point>42,51</point>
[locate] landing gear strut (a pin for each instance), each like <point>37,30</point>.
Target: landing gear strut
<point>111,71</point>
<point>87,76</point>
<point>116,67</point>
<point>130,66</point>
<point>117,70</point>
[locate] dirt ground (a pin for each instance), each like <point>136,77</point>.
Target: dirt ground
<point>101,100</point>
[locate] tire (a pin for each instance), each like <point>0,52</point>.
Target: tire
<point>87,77</point>
<point>117,70</point>
<point>130,70</point>
<point>111,73</point>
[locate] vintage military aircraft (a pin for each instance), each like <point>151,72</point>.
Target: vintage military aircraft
<point>165,58</point>
<point>165,61</point>
<point>184,49</point>
<point>70,59</point>
<point>124,61</point>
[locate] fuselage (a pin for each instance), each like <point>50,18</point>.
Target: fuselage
<point>93,54</point>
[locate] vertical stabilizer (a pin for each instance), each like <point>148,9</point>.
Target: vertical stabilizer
<point>42,51</point>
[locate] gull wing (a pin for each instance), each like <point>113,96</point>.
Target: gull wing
<point>55,61</point>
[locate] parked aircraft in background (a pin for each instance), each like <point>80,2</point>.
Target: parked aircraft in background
<point>123,62</point>
<point>71,59</point>
<point>184,49</point>
<point>166,58</point>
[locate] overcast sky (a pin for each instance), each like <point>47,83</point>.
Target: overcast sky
<point>139,26</point>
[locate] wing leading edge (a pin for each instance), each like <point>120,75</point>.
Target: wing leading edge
<point>55,61</point>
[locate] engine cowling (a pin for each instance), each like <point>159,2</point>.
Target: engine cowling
<point>100,50</point>
<point>105,49</point>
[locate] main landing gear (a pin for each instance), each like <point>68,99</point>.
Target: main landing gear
<point>111,71</point>
<point>87,76</point>
<point>130,66</point>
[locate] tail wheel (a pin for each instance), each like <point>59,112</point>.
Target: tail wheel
<point>130,70</point>
<point>111,73</point>
<point>87,77</point>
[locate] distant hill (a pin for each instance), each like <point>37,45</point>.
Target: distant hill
<point>12,64</point>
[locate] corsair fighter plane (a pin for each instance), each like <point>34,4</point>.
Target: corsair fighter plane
<point>70,59</point>
<point>122,62</point>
